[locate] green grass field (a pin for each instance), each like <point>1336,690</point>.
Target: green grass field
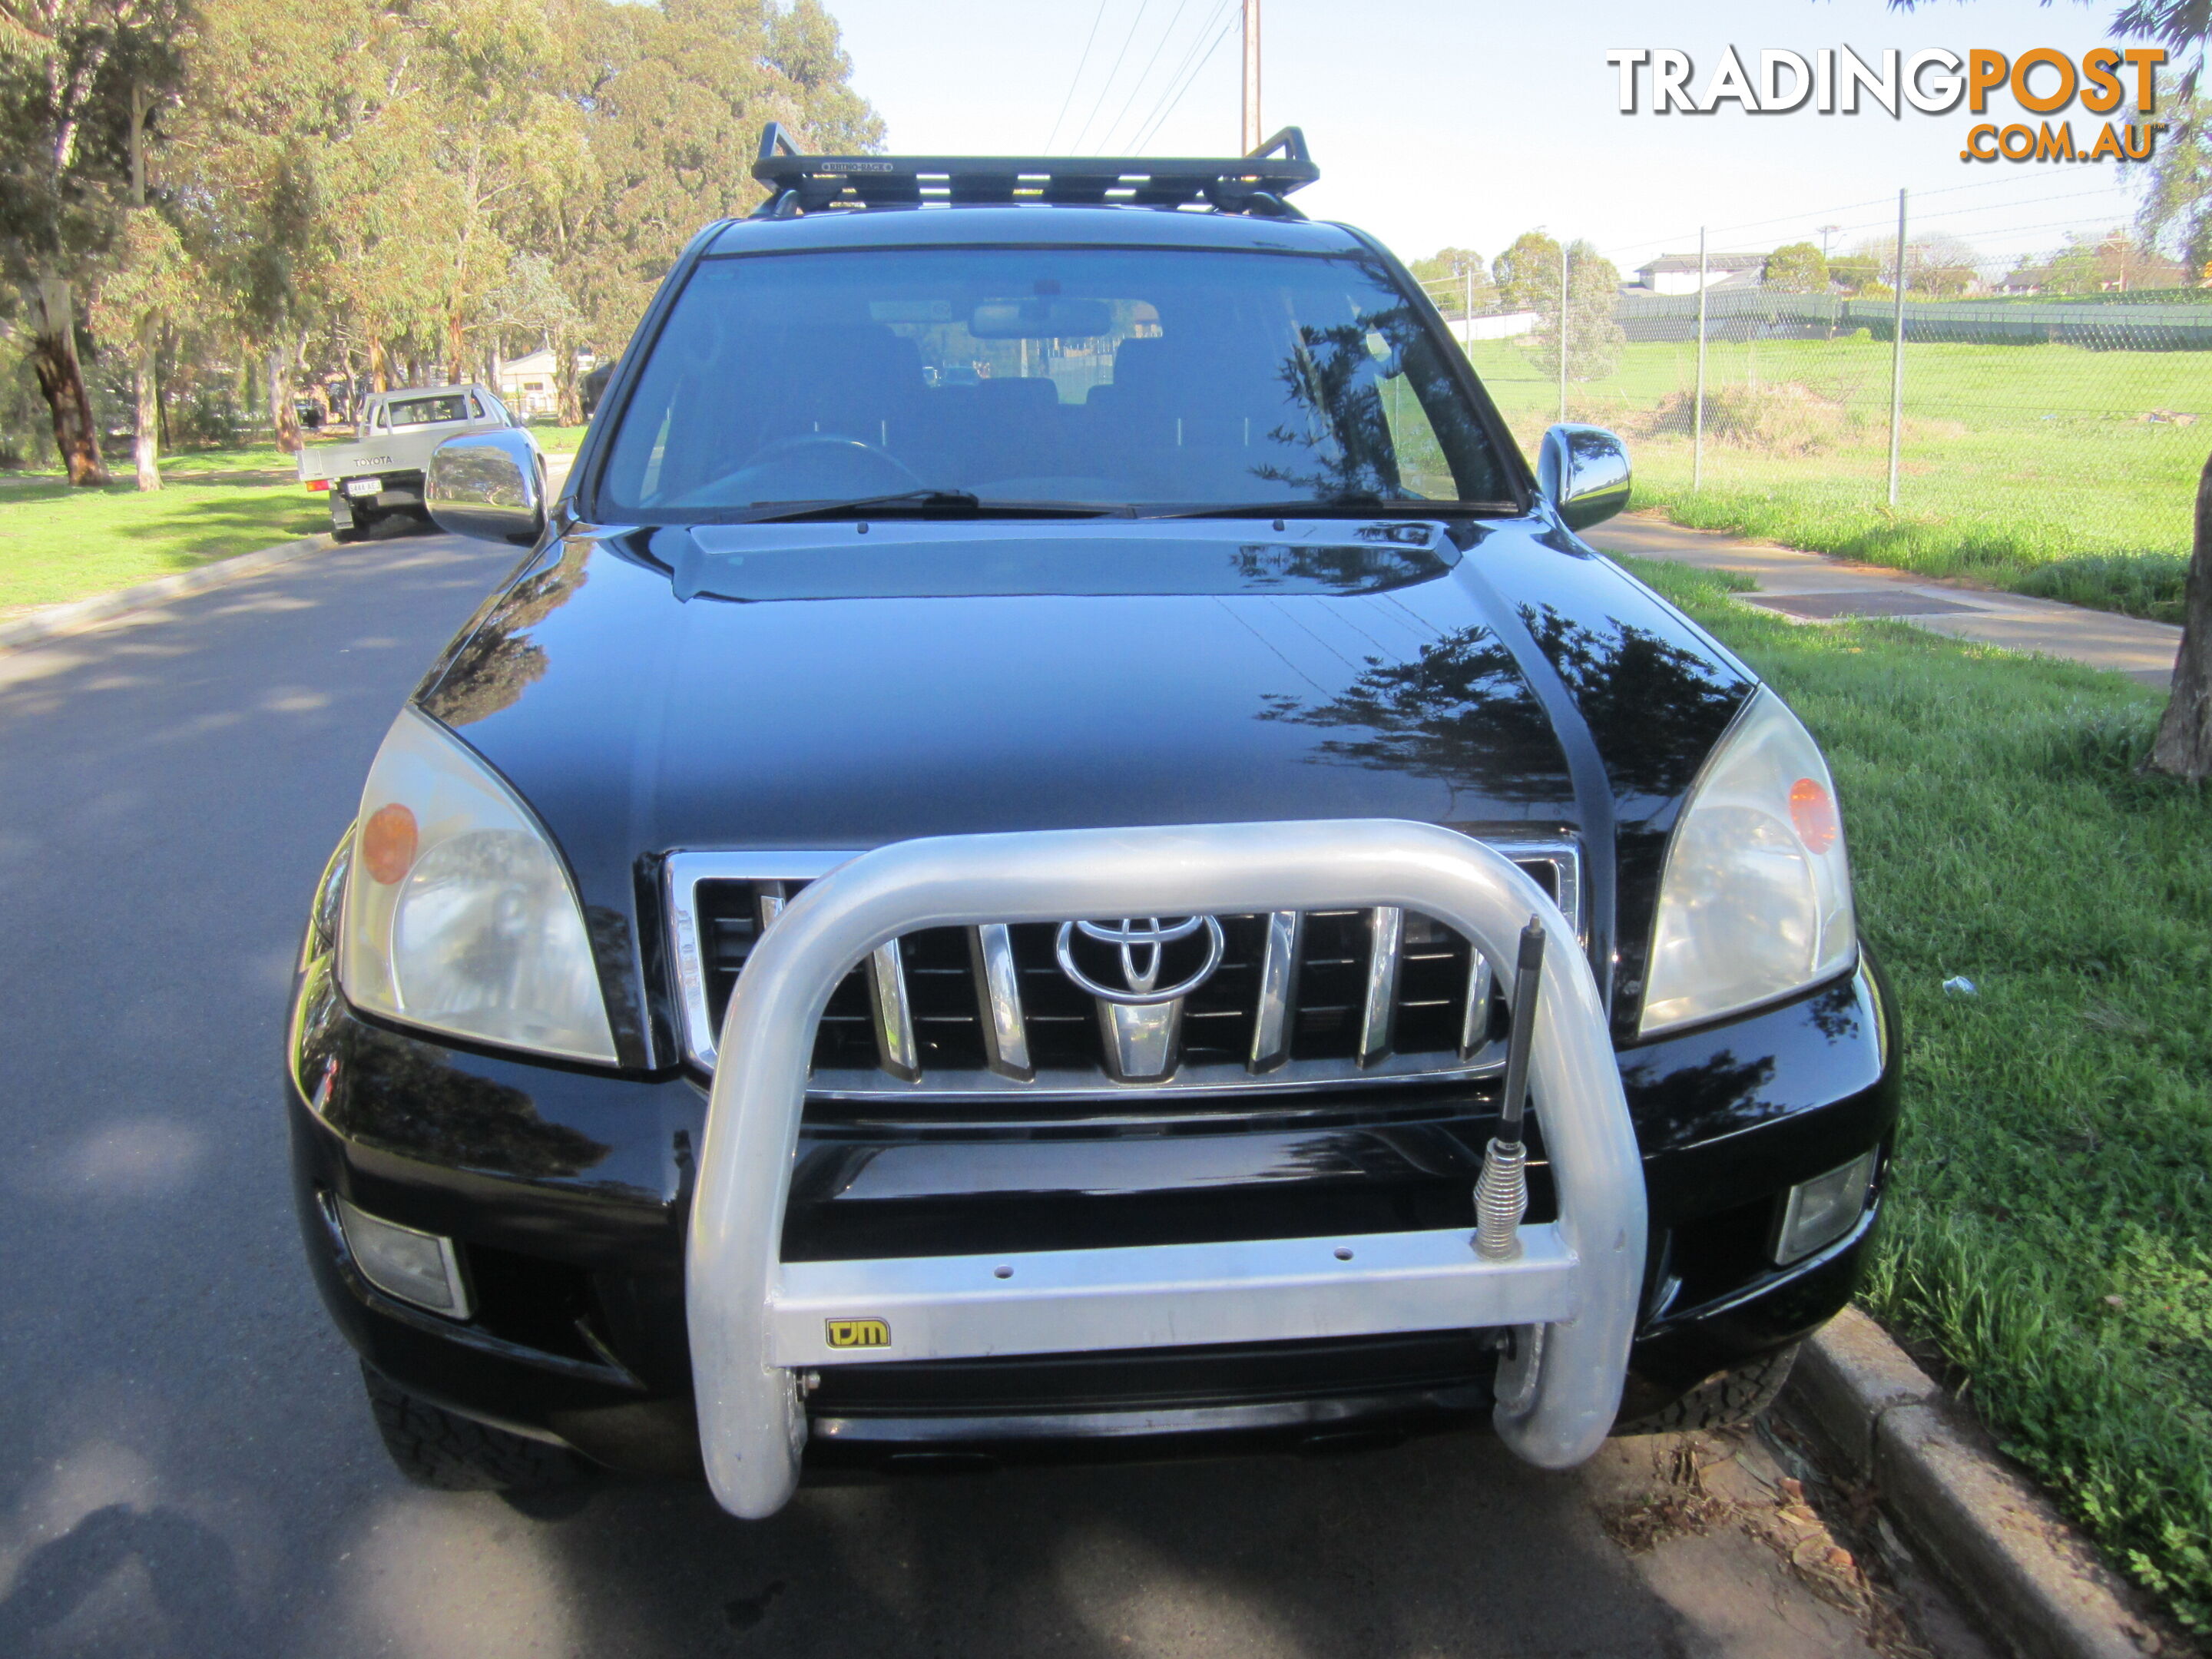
<point>2050,1220</point>
<point>59,543</point>
<point>2036,468</point>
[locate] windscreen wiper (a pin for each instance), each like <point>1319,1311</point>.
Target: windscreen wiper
<point>955,503</point>
<point>1349,507</point>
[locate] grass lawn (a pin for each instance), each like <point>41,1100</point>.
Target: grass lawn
<point>2049,1226</point>
<point>2035,468</point>
<point>557,439</point>
<point>59,543</point>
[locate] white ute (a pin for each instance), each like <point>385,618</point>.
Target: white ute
<point>380,471</point>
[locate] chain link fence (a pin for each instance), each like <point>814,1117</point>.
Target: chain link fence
<point>2049,444</point>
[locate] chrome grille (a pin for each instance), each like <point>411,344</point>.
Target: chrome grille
<point>1315,999</point>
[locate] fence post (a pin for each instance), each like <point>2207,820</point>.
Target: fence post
<point>1897,356</point>
<point>1698,406</point>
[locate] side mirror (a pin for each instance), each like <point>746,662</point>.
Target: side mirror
<point>1583,472</point>
<point>484,484</point>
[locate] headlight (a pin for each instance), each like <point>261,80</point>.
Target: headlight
<point>1756,901</point>
<point>459,914</point>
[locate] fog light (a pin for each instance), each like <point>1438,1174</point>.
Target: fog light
<point>416,1267</point>
<point>1822,1209</point>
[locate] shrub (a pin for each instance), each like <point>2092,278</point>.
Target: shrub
<point>1783,419</point>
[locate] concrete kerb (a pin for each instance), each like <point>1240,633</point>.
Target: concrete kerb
<point>1945,1486</point>
<point>55,621</point>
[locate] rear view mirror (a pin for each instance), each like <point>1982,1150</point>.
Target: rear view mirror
<point>1583,472</point>
<point>1041,320</point>
<point>487,485</point>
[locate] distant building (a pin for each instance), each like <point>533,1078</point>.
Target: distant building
<point>1677,273</point>
<point>2024,279</point>
<point>527,383</point>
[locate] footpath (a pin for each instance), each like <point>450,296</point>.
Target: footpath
<point>1812,587</point>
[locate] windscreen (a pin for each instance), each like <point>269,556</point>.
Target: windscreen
<point>1123,378</point>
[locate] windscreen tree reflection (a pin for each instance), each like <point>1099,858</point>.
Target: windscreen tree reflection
<point>1336,376</point>
<point>1458,713</point>
<point>1123,379</point>
<point>1461,710</point>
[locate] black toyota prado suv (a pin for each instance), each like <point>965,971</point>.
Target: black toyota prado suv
<point>968,520</point>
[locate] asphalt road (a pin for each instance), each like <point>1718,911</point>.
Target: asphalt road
<point>186,1463</point>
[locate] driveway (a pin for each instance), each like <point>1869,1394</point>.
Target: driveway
<point>186,1463</point>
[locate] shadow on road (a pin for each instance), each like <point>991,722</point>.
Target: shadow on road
<point>190,1570</point>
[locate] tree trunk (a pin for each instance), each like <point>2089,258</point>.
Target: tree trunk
<point>569,408</point>
<point>161,403</point>
<point>145,397</point>
<point>61,379</point>
<point>379,376</point>
<point>283,417</point>
<point>2185,735</point>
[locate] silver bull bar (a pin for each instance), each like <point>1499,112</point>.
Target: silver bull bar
<point>758,1323</point>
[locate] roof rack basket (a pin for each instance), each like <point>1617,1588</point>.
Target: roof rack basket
<point>1256,184</point>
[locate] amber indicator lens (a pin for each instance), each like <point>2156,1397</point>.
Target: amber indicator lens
<point>388,841</point>
<point>1812,810</point>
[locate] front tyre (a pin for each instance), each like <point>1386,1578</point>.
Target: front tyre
<point>1723,1400</point>
<point>433,1447</point>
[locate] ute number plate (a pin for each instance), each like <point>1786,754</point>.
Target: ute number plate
<point>363,486</point>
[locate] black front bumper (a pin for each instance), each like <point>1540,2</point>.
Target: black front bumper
<point>568,1192</point>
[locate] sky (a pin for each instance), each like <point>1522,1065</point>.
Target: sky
<point>1466,122</point>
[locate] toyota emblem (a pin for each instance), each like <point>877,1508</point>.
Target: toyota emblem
<point>1139,943</point>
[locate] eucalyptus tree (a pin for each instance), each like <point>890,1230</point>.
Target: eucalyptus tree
<point>411,179</point>
<point>75,80</point>
<point>677,94</point>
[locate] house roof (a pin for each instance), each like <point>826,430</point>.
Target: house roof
<point>1670,263</point>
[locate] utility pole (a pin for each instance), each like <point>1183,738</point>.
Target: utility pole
<point>1563,328</point>
<point>1253,132</point>
<point>1698,408</point>
<point>1897,356</point>
<point>1826,231</point>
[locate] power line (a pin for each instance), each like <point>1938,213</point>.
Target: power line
<point>1845,207</point>
<point>1198,41</point>
<point>1081,64</point>
<point>1137,85</point>
<point>1107,86</point>
<point>1164,102</point>
<point>1233,14</point>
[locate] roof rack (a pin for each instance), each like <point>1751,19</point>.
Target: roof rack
<point>1254,184</point>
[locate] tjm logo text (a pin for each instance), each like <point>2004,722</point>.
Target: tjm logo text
<point>1837,80</point>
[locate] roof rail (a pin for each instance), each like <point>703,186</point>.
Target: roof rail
<point>1254,184</point>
